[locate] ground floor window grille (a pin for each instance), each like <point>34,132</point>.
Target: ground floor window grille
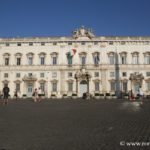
<point>70,86</point>
<point>54,86</point>
<point>96,86</point>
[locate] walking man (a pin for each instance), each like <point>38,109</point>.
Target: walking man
<point>6,94</point>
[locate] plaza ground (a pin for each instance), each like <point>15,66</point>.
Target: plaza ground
<point>68,124</point>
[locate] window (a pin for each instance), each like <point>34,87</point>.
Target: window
<point>7,44</point>
<point>42,75</point>
<point>82,43</point>
<point>18,87</point>
<point>69,74</point>
<point>111,43</point>
<point>112,74</point>
<point>6,61</point>
<point>42,44</point>
<point>54,86</point>
<point>123,59</point>
<point>30,74</point>
<point>54,43</point>
<point>124,86</point>
<point>18,61</point>
<point>96,58</point>
<point>18,44</point>
<point>70,86</point>
<point>5,75</point>
<point>69,43</point>
<point>147,58</point>
<point>135,58</point>
<point>148,86</point>
<point>96,86</point>
<point>54,60</point>
<point>17,75</point>
<point>124,74</point>
<point>112,85</point>
<point>111,59</point>
<point>96,74</point>
<point>30,44</point>
<point>42,86</point>
<point>30,60</point>
<point>42,60</point>
<point>54,74</point>
<point>96,43</point>
<point>83,60</point>
<point>147,74</point>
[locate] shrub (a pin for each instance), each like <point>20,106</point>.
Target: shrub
<point>24,95</point>
<point>74,94</point>
<point>107,94</point>
<point>64,94</point>
<point>101,94</point>
<point>53,95</point>
<point>96,94</point>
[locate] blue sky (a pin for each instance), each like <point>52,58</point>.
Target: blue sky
<point>27,18</point>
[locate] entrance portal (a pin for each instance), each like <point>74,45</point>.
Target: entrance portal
<point>29,89</point>
<point>83,87</point>
<point>136,87</point>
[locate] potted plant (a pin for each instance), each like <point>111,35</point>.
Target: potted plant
<point>97,96</point>
<point>64,95</point>
<point>53,95</point>
<point>108,96</point>
<point>101,96</point>
<point>126,96</point>
<point>24,95</point>
<point>74,95</point>
<point>114,96</point>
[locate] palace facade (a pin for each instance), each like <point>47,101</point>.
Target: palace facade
<point>77,64</point>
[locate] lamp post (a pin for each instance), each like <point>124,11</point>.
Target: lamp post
<point>76,77</point>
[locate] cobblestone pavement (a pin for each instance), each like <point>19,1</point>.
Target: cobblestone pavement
<point>75,125</point>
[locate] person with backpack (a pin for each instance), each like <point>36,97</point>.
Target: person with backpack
<point>6,94</point>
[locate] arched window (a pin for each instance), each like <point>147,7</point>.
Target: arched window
<point>123,58</point>
<point>18,58</point>
<point>135,58</point>
<point>30,58</point>
<point>96,58</point>
<point>54,57</point>
<point>83,58</point>
<point>6,59</point>
<point>42,58</point>
<point>111,57</point>
<point>147,58</point>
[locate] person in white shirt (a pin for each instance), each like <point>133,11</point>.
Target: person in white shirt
<point>39,94</point>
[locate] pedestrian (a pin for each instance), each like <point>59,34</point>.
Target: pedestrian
<point>6,94</point>
<point>16,94</point>
<point>35,95</point>
<point>141,93</point>
<point>39,94</point>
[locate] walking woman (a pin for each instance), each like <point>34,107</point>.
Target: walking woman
<point>35,95</point>
<point>6,94</point>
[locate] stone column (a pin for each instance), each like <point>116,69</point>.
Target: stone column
<point>103,79</point>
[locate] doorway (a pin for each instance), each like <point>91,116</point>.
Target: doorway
<point>29,89</point>
<point>83,87</point>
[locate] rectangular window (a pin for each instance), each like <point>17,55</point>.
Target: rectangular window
<point>42,60</point>
<point>42,75</point>
<point>54,60</point>
<point>18,87</point>
<point>5,75</point>
<point>123,59</point>
<point>124,74</point>
<point>96,86</point>
<point>96,74</point>
<point>54,74</point>
<point>147,59</point>
<point>30,60</point>
<point>42,86</point>
<point>112,74</point>
<point>124,86</point>
<point>112,86</point>
<point>82,43</point>
<point>54,43</point>
<point>70,86</point>
<point>111,60</point>
<point>7,44</point>
<point>111,43</point>
<point>83,60</point>
<point>70,74</point>
<point>30,44</point>
<point>18,61</point>
<point>17,75</point>
<point>6,61</point>
<point>148,86</point>
<point>18,44</point>
<point>147,74</point>
<point>30,74</point>
<point>135,59</point>
<point>69,43</point>
<point>42,44</point>
<point>54,86</point>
